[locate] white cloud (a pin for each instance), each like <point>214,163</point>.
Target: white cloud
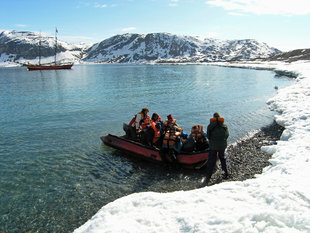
<point>261,7</point>
<point>128,29</point>
<point>173,3</point>
<point>20,25</point>
<point>101,5</point>
<point>236,14</point>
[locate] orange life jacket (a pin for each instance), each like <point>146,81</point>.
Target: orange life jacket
<point>197,132</point>
<point>171,124</point>
<point>220,119</point>
<point>170,137</point>
<point>146,122</point>
<point>156,131</point>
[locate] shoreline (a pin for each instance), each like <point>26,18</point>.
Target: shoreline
<point>266,194</point>
<point>245,159</point>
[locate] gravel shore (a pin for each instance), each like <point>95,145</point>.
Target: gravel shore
<point>245,159</point>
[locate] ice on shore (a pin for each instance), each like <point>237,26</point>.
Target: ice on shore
<point>276,201</point>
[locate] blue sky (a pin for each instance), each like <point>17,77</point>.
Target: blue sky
<point>284,24</point>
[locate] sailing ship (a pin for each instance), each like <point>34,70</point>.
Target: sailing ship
<point>49,66</point>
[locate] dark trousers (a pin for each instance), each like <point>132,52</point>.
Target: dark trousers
<point>212,161</point>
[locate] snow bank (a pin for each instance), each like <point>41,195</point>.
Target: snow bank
<point>276,201</point>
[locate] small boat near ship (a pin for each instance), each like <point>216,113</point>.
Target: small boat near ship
<point>49,66</point>
<point>189,160</point>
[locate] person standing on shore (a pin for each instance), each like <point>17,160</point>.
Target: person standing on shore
<point>217,133</point>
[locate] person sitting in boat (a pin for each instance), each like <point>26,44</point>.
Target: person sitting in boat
<point>138,125</point>
<point>172,137</point>
<point>154,132</point>
<point>170,122</point>
<point>201,142</point>
<point>197,140</point>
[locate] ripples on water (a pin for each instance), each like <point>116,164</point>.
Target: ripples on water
<point>54,171</point>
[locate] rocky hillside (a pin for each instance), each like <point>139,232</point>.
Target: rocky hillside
<point>133,48</point>
<point>291,56</point>
<point>164,47</point>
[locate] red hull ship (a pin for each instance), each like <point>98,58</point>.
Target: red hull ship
<point>49,67</point>
<point>193,160</point>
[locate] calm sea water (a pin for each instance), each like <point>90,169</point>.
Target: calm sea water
<point>54,171</point>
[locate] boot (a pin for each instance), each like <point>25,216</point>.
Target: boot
<point>204,182</point>
<point>225,176</point>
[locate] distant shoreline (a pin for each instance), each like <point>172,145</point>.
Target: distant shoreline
<point>240,65</point>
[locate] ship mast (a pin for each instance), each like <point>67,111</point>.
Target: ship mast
<point>40,44</point>
<point>56,31</point>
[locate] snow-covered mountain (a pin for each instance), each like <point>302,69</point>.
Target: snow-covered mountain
<point>165,47</point>
<point>154,47</point>
<point>25,46</point>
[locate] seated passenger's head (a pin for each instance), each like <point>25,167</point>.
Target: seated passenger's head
<point>145,110</point>
<point>169,117</point>
<point>155,116</point>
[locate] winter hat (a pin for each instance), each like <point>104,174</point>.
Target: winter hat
<point>145,110</point>
<point>216,114</point>
<point>169,117</point>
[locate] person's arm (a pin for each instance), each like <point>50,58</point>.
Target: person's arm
<point>208,132</point>
<point>138,119</point>
<point>226,132</point>
<point>133,120</point>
